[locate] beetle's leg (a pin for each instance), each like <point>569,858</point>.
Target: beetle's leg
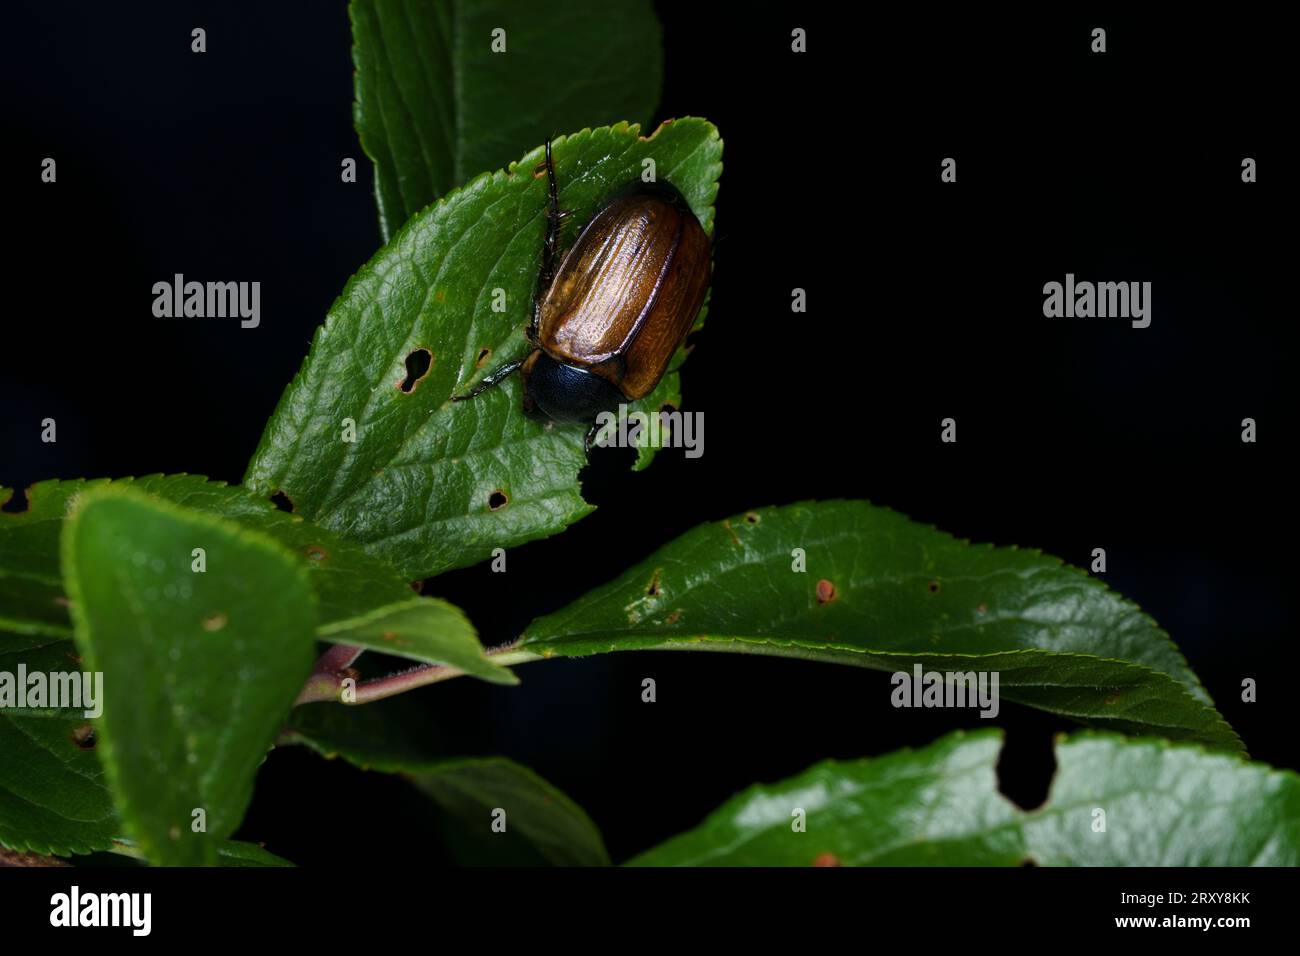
<point>590,438</point>
<point>494,377</point>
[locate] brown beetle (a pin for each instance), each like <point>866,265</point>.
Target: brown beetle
<point>606,324</point>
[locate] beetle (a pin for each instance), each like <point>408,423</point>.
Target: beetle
<point>608,320</point>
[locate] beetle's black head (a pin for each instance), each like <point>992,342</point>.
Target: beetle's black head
<point>568,393</point>
<point>661,189</point>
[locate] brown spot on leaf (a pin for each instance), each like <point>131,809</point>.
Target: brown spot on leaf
<point>826,859</point>
<point>316,553</point>
<point>673,618</point>
<point>483,355</point>
<point>61,601</point>
<point>215,621</point>
<point>933,587</point>
<point>417,586</point>
<point>981,608</point>
<point>84,737</point>
<point>825,591</point>
<point>653,589</point>
<point>666,123</point>
<point>440,295</point>
<point>1112,699</point>
<point>735,538</point>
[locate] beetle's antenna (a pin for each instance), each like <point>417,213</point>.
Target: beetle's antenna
<point>552,224</point>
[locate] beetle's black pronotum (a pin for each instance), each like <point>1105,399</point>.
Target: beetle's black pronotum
<point>606,323</point>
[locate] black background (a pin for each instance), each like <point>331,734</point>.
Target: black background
<point>924,301</point>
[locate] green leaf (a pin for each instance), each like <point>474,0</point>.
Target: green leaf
<point>232,853</point>
<point>238,853</point>
<point>423,629</point>
<point>362,599</point>
<point>543,826</point>
<point>884,592</point>
<point>435,105</point>
<point>383,735</point>
<point>1164,805</point>
<point>430,484</point>
<point>53,797</point>
<point>199,667</point>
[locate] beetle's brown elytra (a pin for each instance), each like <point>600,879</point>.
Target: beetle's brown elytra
<point>608,320</point>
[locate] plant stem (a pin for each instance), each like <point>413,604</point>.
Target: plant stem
<point>326,681</point>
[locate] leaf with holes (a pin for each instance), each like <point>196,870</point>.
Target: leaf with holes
<point>362,600</point>
<point>429,484</point>
<point>541,824</point>
<point>1113,802</point>
<point>846,582</point>
<point>442,95</point>
<point>203,632</point>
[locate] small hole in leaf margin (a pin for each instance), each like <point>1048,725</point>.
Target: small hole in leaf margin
<point>17,502</point>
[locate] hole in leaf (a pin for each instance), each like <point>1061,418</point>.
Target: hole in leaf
<point>933,587</point>
<point>418,364</point>
<point>653,589</point>
<point>282,501</point>
<point>825,591</point>
<point>751,518</point>
<point>497,500</point>
<point>84,737</point>
<point>16,503</point>
<point>1025,767</point>
<point>604,477</point>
